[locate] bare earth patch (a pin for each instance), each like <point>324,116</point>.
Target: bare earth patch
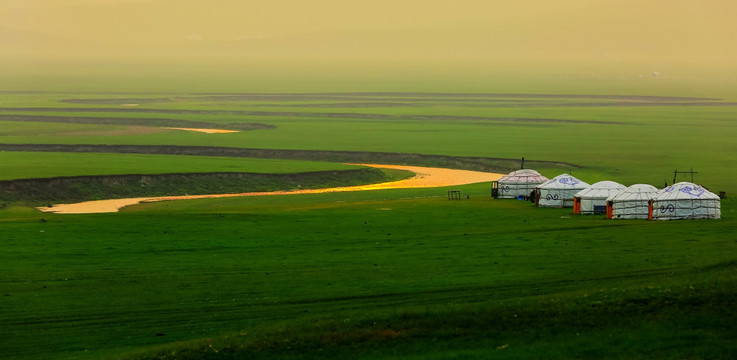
<point>206,131</point>
<point>424,177</point>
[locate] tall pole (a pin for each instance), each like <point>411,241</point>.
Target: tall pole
<point>675,173</point>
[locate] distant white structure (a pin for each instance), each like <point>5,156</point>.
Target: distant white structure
<point>685,200</point>
<point>559,191</point>
<point>593,199</point>
<point>630,203</point>
<point>517,183</point>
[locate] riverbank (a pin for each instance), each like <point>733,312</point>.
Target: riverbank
<point>424,177</point>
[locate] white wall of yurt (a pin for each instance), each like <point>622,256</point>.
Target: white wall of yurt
<point>631,203</point>
<point>559,191</point>
<point>593,200</point>
<point>519,183</point>
<point>685,200</point>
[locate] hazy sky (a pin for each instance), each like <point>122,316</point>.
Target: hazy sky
<point>532,30</point>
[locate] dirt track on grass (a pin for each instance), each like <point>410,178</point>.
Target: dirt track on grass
<point>424,177</point>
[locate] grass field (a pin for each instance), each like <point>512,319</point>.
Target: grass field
<point>632,138</point>
<point>404,274</point>
<point>51,164</point>
<point>269,268</point>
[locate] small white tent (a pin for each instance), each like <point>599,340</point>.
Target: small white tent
<point>685,200</point>
<point>631,203</point>
<point>517,183</point>
<point>593,199</point>
<point>559,191</point>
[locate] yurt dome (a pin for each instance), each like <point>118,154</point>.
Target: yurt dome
<point>685,200</point>
<point>559,191</point>
<point>593,199</point>
<point>518,183</point>
<point>631,203</point>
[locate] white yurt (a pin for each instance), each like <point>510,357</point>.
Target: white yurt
<point>559,191</point>
<point>517,183</point>
<point>630,203</point>
<point>685,200</point>
<point>593,199</point>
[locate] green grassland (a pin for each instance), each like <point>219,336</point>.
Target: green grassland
<point>617,139</point>
<point>442,276</point>
<point>404,274</point>
<point>20,165</point>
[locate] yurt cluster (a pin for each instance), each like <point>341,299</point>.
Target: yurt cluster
<point>683,200</point>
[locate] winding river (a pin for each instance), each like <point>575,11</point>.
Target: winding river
<point>424,177</point>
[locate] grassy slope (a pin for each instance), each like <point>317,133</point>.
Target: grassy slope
<point>94,285</point>
<point>439,278</point>
<point>45,165</point>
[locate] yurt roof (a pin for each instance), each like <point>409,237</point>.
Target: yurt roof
<point>523,175</point>
<point>600,190</point>
<point>635,192</point>
<point>685,190</point>
<point>564,181</point>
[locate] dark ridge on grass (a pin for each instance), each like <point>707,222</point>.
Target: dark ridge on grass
<point>118,101</point>
<point>82,188</point>
<point>422,99</point>
<point>368,104</point>
<point>182,123</point>
<point>409,102</point>
<point>632,323</point>
<point>22,92</point>
<point>473,293</point>
<point>500,104</point>
<point>731,264</point>
<point>453,162</point>
<point>337,95</point>
<point>352,95</point>
<point>150,122</point>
